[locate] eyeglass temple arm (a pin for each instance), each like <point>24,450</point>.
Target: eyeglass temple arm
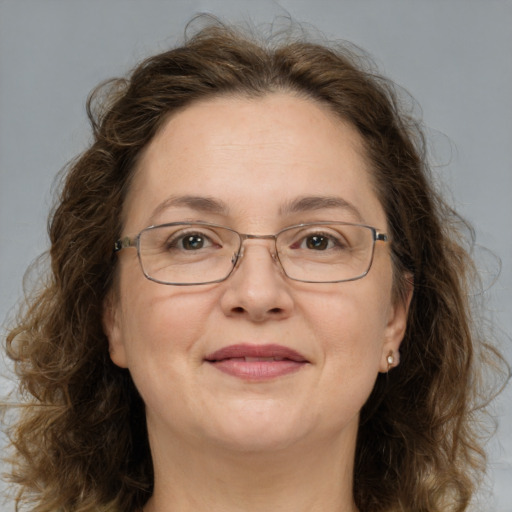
<point>123,243</point>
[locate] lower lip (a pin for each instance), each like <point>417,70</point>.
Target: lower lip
<point>258,370</point>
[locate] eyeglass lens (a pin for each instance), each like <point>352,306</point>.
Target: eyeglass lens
<point>201,253</point>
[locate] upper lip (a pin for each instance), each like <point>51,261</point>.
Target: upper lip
<point>247,350</point>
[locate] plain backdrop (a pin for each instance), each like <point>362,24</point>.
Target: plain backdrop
<point>453,56</point>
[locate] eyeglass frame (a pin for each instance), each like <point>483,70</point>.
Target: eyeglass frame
<point>134,241</point>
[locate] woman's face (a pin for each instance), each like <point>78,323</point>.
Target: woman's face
<point>255,160</point>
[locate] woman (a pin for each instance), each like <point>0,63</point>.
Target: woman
<point>257,301</point>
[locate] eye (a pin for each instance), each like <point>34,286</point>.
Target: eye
<point>194,241</point>
<point>318,242</point>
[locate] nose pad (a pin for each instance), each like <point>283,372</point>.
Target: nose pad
<point>237,257</point>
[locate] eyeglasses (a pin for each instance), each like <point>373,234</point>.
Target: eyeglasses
<point>193,253</point>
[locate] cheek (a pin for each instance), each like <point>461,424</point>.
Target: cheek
<point>349,324</point>
<point>163,331</point>
<point>354,312</point>
<point>161,325</point>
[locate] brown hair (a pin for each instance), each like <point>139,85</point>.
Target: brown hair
<point>81,441</point>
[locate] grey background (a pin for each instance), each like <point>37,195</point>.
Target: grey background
<point>454,56</point>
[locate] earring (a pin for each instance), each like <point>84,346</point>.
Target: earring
<point>391,360</point>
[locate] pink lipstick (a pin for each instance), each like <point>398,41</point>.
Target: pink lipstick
<point>257,362</point>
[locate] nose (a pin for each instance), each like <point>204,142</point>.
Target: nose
<point>257,289</point>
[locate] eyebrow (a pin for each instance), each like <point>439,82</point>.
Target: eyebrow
<point>311,203</point>
<point>302,204</point>
<point>199,203</point>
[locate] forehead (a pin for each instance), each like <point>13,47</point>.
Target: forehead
<point>254,156</point>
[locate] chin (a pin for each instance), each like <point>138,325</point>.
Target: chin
<point>259,427</point>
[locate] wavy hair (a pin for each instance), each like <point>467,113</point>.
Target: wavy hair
<point>80,441</point>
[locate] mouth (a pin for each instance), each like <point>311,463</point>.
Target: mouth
<point>256,362</point>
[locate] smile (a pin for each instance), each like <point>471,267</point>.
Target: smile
<point>257,362</point>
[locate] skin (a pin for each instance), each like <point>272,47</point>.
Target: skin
<point>220,442</point>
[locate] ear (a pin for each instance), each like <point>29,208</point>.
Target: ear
<point>395,328</point>
<point>112,328</point>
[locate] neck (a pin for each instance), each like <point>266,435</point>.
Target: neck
<point>294,479</point>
